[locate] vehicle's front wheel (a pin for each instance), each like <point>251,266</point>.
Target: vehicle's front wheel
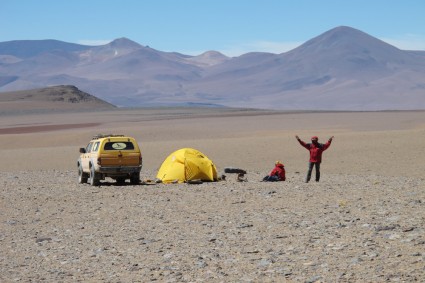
<point>82,177</point>
<point>94,178</point>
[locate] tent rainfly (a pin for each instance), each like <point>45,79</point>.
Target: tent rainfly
<point>185,165</point>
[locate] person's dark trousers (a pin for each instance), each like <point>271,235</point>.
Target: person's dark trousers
<point>310,169</point>
<point>271,178</point>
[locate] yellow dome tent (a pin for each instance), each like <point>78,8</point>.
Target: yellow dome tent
<point>185,165</point>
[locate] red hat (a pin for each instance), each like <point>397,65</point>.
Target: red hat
<point>314,138</point>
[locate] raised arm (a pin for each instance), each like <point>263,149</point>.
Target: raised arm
<point>301,142</point>
<point>328,143</point>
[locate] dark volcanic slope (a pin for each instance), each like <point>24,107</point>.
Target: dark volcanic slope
<point>57,97</point>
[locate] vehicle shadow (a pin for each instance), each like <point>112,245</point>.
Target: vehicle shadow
<point>114,184</point>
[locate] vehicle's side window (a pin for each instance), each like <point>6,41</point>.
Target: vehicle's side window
<point>89,146</point>
<point>96,147</point>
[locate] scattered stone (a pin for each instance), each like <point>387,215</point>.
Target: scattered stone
<point>408,229</point>
<point>40,240</point>
<point>245,226</point>
<point>386,228</point>
<point>264,262</point>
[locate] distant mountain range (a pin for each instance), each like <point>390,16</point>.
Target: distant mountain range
<point>341,69</point>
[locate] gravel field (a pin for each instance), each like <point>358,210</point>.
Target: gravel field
<point>346,228</point>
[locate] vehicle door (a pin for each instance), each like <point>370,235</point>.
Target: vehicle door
<point>85,157</point>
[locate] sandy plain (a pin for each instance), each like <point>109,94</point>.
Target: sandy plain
<point>363,222</point>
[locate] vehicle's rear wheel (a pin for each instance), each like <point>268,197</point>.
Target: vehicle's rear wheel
<point>82,177</point>
<point>94,178</point>
<point>135,178</point>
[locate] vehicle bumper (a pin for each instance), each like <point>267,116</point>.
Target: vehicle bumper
<point>119,170</point>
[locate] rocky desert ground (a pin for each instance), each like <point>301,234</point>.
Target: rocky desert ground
<point>363,222</point>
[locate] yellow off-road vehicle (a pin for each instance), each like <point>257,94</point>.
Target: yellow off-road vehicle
<point>114,156</point>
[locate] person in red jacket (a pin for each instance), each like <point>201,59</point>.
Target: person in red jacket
<point>277,174</point>
<point>316,149</point>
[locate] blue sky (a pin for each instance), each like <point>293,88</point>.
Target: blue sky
<point>232,27</point>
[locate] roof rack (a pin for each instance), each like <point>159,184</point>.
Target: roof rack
<point>99,136</point>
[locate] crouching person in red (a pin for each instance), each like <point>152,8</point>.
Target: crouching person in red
<point>277,174</point>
